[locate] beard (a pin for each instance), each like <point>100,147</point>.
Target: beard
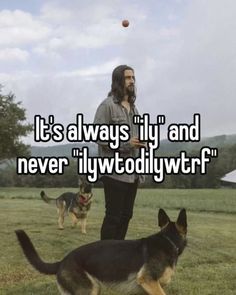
<point>130,91</point>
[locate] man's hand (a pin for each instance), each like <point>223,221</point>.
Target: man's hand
<point>136,143</point>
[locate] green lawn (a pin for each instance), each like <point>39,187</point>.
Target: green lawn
<point>207,267</point>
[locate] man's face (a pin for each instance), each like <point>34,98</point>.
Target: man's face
<point>129,82</point>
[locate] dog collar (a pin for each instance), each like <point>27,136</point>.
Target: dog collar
<point>172,243</point>
<point>82,200</point>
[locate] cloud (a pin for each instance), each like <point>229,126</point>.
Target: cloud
<point>61,57</point>
<point>93,71</point>
<point>13,55</point>
<point>20,28</point>
<point>94,25</point>
<point>59,27</point>
<point>52,12</point>
<point>199,73</point>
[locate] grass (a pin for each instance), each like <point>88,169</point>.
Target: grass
<point>207,267</point>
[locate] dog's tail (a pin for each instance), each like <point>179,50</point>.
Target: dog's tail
<point>33,257</point>
<point>46,198</point>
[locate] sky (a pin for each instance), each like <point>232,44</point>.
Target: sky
<point>57,58</point>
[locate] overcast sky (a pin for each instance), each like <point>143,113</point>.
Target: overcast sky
<point>57,57</point>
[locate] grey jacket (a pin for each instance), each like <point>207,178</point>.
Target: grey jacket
<point>110,111</point>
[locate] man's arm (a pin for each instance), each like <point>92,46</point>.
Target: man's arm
<point>103,116</point>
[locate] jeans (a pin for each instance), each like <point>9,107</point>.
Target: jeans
<point>119,202</point>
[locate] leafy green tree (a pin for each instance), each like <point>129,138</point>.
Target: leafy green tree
<point>12,128</point>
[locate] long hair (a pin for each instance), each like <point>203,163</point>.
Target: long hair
<point>118,82</point>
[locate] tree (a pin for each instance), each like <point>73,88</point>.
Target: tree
<point>12,128</point>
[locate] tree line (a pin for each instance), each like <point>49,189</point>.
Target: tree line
<point>13,127</point>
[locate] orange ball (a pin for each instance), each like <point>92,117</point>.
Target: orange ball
<point>125,23</point>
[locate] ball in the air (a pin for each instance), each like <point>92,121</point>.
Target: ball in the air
<point>125,23</point>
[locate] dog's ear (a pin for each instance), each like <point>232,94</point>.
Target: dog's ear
<point>163,218</point>
<point>181,222</point>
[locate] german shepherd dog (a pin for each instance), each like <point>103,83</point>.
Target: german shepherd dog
<point>76,204</point>
<point>140,266</point>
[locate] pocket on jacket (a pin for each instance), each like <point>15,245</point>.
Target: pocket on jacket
<point>119,120</point>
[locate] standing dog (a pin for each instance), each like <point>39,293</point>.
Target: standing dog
<point>140,266</point>
<point>76,204</point>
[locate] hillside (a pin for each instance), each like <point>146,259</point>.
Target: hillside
<point>166,147</point>
<point>220,141</point>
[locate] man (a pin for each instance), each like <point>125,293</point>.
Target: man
<point>120,190</point>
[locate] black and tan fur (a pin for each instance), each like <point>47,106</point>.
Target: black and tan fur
<point>76,204</point>
<point>140,266</point>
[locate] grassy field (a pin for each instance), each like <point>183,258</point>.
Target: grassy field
<point>207,267</point>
